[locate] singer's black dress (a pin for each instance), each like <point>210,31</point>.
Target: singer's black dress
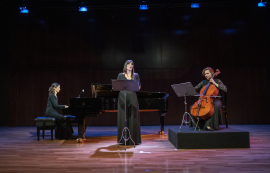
<point>133,116</point>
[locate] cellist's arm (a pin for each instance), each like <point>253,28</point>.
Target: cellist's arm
<point>221,86</point>
<point>199,86</point>
<point>213,82</point>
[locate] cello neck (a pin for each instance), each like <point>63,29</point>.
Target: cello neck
<point>206,88</point>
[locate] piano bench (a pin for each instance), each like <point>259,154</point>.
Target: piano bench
<point>45,123</point>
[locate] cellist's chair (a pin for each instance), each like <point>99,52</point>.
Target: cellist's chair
<point>224,106</point>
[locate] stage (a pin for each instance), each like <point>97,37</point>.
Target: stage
<point>21,152</point>
<point>188,138</point>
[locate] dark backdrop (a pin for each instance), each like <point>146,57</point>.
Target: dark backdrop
<point>168,46</point>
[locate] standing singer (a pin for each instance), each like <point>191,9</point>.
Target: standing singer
<point>132,109</point>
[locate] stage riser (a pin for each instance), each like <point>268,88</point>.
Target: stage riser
<point>225,138</point>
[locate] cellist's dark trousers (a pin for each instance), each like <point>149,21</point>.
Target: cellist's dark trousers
<point>213,121</point>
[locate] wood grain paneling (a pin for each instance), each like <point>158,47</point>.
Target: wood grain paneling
<point>245,104</point>
<point>76,49</point>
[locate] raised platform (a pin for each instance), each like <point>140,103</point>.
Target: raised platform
<point>224,138</point>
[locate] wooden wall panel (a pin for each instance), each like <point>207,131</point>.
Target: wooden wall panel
<point>76,49</point>
<point>246,103</point>
<point>4,101</point>
<point>186,40</point>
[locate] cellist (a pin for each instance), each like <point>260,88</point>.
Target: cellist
<point>213,122</point>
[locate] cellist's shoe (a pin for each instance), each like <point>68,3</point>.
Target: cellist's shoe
<point>209,129</point>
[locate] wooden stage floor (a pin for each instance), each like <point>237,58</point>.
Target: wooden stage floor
<point>21,152</point>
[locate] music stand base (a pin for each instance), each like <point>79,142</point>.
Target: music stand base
<point>197,125</point>
<point>125,137</point>
<point>184,121</point>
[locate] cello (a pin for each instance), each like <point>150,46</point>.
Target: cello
<point>204,107</point>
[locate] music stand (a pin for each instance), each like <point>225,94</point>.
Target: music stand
<point>183,90</point>
<point>125,85</point>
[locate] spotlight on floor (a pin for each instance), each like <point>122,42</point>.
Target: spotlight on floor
<point>23,10</point>
<point>195,5</point>
<point>261,4</point>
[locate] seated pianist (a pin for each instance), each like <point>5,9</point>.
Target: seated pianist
<point>64,128</point>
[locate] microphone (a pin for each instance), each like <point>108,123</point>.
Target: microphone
<point>81,93</point>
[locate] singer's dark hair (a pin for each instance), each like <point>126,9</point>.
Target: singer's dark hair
<point>125,67</point>
<point>52,87</point>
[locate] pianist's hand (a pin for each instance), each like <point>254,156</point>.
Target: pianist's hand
<point>66,106</point>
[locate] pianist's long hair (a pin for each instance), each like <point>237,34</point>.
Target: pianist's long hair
<point>125,68</point>
<point>52,87</point>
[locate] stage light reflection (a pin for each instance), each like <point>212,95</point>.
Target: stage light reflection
<point>143,18</point>
<point>179,32</point>
<point>91,20</point>
<point>82,8</point>
<point>143,7</point>
<point>23,10</point>
<point>195,5</point>
<point>186,17</point>
<point>261,4</point>
<point>229,31</point>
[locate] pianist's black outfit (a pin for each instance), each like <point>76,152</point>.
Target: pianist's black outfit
<point>64,128</point>
<point>133,116</point>
<point>216,119</point>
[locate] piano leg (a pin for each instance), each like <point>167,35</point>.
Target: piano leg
<point>162,116</point>
<point>81,128</point>
<point>89,119</point>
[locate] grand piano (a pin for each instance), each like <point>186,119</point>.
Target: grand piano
<point>104,99</point>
